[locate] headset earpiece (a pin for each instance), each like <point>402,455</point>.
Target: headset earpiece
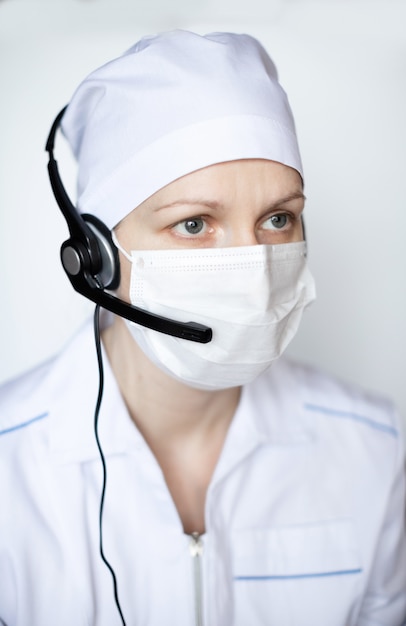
<point>109,272</point>
<point>99,262</point>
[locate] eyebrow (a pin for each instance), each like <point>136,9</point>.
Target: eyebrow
<point>214,204</point>
<point>295,195</point>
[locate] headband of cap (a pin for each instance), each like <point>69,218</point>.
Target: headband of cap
<point>172,104</point>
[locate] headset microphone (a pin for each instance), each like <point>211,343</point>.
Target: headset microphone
<point>90,259</point>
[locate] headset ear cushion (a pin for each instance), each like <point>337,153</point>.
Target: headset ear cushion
<point>109,275</point>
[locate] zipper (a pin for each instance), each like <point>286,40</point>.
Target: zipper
<point>196,551</point>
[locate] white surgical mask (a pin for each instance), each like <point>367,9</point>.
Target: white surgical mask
<point>252,297</point>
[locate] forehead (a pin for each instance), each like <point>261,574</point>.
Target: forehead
<point>228,181</point>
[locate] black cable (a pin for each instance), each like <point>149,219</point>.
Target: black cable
<point>96,320</point>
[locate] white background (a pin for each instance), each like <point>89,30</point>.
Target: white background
<point>343,64</point>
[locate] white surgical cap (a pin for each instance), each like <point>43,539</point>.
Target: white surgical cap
<point>172,104</point>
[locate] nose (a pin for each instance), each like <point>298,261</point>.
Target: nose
<point>242,236</point>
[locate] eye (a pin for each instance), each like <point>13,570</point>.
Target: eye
<point>276,222</point>
<point>191,226</point>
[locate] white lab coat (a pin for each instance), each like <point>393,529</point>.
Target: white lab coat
<point>304,514</point>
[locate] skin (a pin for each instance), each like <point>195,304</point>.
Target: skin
<point>237,203</point>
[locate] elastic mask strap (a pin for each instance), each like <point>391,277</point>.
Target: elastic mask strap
<point>118,245</point>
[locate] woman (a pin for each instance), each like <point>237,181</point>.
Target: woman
<point>237,493</point>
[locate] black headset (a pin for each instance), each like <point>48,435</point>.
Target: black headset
<point>90,259</point>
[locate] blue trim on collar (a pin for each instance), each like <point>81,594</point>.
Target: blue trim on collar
<point>23,424</point>
<point>353,416</point>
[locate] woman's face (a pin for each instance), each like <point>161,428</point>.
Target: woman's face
<point>237,203</point>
